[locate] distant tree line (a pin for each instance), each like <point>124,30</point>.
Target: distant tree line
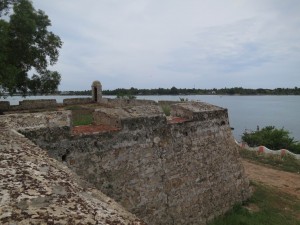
<point>85,92</point>
<point>191,91</point>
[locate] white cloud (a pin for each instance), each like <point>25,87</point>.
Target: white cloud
<point>151,43</point>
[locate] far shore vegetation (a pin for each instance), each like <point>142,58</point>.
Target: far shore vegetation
<point>191,91</point>
<point>180,91</point>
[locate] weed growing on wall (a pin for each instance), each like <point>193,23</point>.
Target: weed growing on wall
<point>166,109</point>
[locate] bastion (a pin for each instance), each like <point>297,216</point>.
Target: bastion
<point>178,169</point>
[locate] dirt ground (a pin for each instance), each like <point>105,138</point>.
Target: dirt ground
<point>284,181</point>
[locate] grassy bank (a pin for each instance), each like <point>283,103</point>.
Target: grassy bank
<point>267,206</point>
<point>287,163</point>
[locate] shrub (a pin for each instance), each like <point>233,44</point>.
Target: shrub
<point>183,99</point>
<point>125,96</point>
<point>272,138</point>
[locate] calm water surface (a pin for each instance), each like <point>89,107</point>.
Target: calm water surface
<point>245,112</point>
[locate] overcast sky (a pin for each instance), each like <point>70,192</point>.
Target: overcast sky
<point>181,43</point>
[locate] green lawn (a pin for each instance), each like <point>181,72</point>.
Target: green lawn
<point>267,206</point>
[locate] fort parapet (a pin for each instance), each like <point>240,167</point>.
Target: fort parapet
<point>182,169</point>
<point>51,104</point>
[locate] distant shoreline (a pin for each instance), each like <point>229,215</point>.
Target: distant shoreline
<point>236,91</point>
<point>7,96</point>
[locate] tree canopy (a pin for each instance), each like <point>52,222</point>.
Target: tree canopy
<point>26,45</point>
<point>5,6</point>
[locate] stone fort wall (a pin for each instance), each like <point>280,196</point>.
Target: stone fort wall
<point>37,189</point>
<point>164,171</point>
<point>5,106</point>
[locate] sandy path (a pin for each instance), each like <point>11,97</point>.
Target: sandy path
<point>284,181</point>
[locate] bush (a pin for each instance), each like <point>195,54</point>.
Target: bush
<point>272,138</point>
<point>183,99</point>
<point>125,96</point>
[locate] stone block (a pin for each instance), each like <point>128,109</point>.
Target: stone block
<point>37,104</point>
<point>77,101</point>
<point>4,106</point>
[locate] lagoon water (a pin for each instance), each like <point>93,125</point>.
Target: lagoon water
<point>245,112</point>
<point>248,112</point>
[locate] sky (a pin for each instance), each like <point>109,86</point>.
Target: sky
<point>181,43</point>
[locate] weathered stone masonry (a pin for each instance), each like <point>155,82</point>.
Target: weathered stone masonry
<point>164,172</point>
<point>36,189</point>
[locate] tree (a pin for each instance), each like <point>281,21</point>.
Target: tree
<point>5,6</point>
<point>46,83</point>
<point>27,45</point>
<point>272,138</point>
<point>174,91</point>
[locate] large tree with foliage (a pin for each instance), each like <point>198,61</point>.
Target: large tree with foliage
<point>5,5</point>
<point>25,46</point>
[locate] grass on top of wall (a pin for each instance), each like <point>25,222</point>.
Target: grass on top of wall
<point>267,206</point>
<point>287,162</point>
<point>80,115</point>
<point>83,119</point>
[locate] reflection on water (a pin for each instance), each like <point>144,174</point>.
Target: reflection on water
<point>245,112</point>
